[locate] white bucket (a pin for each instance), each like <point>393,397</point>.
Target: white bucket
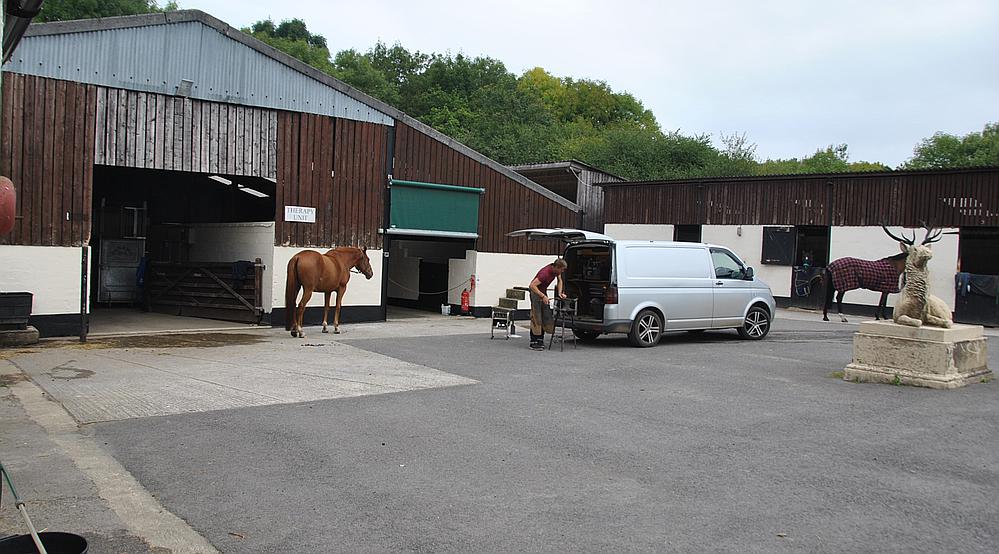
<point>445,309</point>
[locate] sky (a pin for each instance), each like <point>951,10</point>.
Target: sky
<point>793,76</point>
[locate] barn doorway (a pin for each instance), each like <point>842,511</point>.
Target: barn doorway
<point>178,244</point>
<point>425,273</point>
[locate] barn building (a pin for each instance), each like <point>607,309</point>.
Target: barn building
<point>576,181</point>
<point>788,226</point>
<point>175,152</point>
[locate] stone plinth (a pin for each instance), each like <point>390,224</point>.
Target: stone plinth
<point>885,352</point>
<point>18,337</point>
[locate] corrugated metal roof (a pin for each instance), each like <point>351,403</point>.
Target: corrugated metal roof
<point>801,176</point>
<point>155,57</point>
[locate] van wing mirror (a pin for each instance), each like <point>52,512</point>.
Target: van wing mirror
<point>749,272</point>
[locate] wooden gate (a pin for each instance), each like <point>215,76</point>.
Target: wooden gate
<point>227,291</point>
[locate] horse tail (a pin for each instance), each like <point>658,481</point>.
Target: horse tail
<point>291,292</point>
<point>828,288</point>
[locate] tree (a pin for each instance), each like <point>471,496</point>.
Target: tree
<point>943,150</point>
<point>64,10</point>
<point>832,159</point>
<point>293,38</point>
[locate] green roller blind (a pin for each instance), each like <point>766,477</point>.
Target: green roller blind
<point>434,208</point>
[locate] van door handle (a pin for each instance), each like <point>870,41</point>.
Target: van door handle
<point>719,283</point>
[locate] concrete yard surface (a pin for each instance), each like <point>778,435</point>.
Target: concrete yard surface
<point>264,443</point>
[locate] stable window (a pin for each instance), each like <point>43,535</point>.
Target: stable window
<point>778,245</point>
<point>687,233</point>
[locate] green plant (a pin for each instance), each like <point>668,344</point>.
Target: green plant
<point>897,380</point>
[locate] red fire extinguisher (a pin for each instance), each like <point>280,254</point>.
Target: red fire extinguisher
<point>464,301</point>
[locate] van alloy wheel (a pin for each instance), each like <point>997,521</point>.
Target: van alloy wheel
<point>647,329</point>
<point>756,325</point>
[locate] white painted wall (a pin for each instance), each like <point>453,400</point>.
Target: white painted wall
<point>360,291</point>
<point>50,273</point>
<point>404,275</point>
<point>872,243</point>
<point>747,242</point>
<point>230,242</point>
<point>459,271</point>
<point>495,272</point>
<point>622,231</point>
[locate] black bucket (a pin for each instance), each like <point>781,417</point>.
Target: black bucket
<point>55,543</point>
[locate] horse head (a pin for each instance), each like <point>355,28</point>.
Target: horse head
<point>364,264</point>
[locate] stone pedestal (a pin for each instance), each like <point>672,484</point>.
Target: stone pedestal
<point>18,337</point>
<point>885,352</point>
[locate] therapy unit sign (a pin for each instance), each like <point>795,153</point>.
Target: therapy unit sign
<point>300,214</point>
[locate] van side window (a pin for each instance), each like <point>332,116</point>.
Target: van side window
<point>726,266</point>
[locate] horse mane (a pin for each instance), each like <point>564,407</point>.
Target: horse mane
<point>896,257</point>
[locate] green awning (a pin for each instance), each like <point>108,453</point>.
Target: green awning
<point>431,209</point>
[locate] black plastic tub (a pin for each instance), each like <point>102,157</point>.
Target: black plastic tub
<point>54,542</point>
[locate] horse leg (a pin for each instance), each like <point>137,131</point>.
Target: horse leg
<point>306,296</point>
<point>827,290</point>
<point>839,305</point>
<point>879,312</point>
<point>336,316</point>
<point>326,311</point>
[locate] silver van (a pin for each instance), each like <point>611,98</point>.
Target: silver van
<point>644,288</point>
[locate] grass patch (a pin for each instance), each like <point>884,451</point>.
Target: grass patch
<point>836,374</point>
<point>987,379</point>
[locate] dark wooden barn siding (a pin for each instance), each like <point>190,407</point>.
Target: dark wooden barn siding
<point>154,131</point>
<point>954,198</point>
<point>506,206</point>
<point>337,166</point>
<point>47,150</point>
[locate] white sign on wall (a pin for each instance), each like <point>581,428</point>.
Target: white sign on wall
<point>300,214</point>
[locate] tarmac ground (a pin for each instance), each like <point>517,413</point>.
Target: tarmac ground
<point>422,434</point>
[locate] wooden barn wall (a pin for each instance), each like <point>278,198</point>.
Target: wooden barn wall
<point>47,150</point>
<point>506,206</point>
<point>337,166</point>
<point>154,131</point>
<point>591,198</point>
<point>956,198</point>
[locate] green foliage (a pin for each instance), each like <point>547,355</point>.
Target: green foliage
<point>832,159</point>
<point>943,150</point>
<point>293,38</point>
<point>64,10</point>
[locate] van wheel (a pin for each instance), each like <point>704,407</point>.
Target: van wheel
<point>585,335</point>
<point>756,325</point>
<point>647,329</point>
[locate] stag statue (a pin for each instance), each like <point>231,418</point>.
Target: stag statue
<point>917,306</point>
<point>847,274</point>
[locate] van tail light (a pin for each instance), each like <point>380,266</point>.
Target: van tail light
<point>610,294</point>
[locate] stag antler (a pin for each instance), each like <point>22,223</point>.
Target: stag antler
<point>932,235</point>
<point>902,239</point>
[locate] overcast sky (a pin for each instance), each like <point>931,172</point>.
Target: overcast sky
<point>793,75</point>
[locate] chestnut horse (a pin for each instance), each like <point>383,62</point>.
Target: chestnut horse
<point>327,273</point>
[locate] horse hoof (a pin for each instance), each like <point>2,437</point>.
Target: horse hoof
<point>336,331</point>
<point>325,330</point>
<point>294,333</point>
<point>825,319</point>
<point>843,319</point>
